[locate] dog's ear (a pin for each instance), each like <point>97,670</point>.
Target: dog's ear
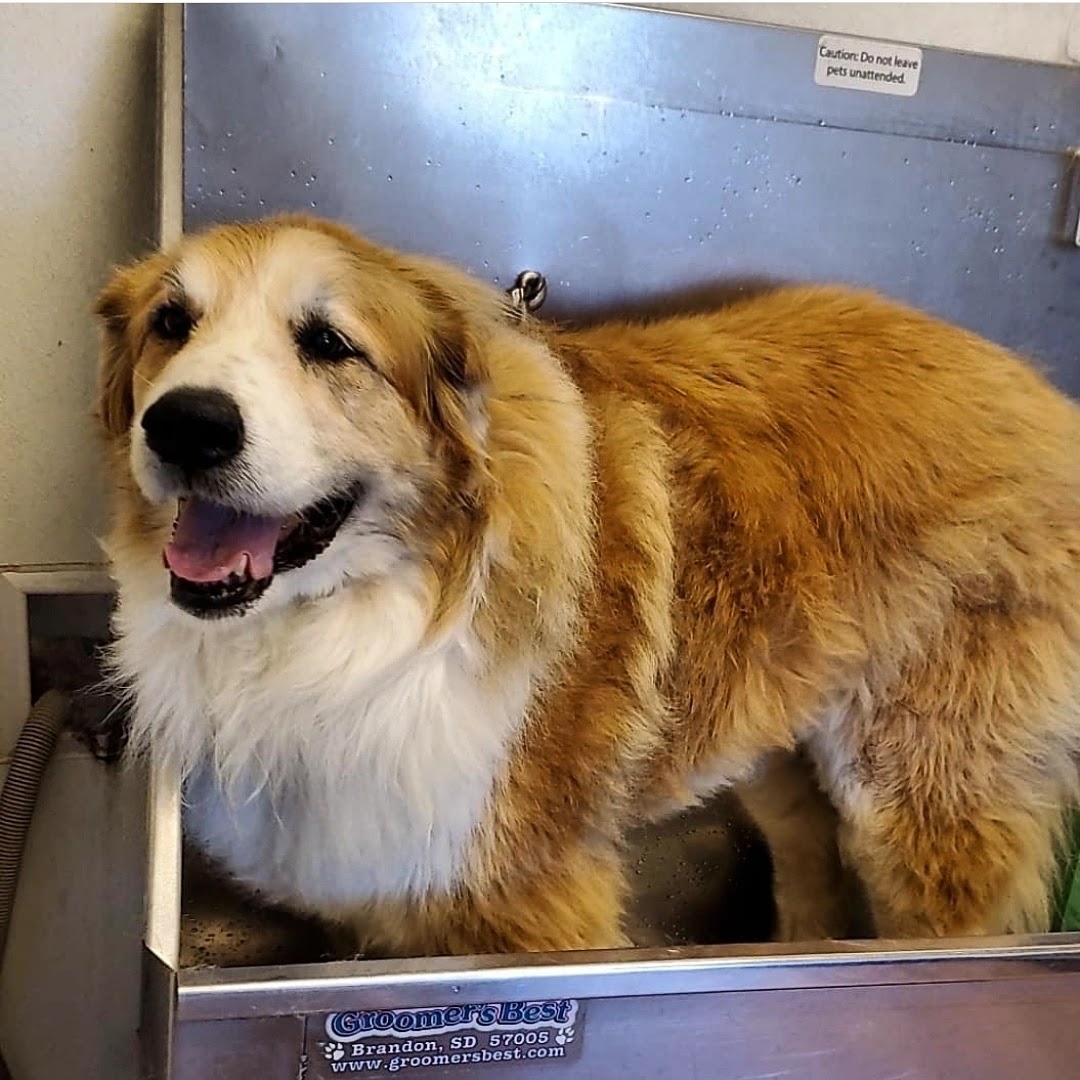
<point>455,372</point>
<point>451,355</point>
<point>116,307</point>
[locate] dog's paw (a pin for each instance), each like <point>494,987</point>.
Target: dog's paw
<point>813,920</point>
<point>564,1035</point>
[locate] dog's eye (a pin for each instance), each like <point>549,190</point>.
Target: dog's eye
<point>172,322</point>
<point>321,342</point>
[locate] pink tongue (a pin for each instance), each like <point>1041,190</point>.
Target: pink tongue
<point>210,542</point>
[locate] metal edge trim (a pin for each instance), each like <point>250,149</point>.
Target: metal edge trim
<point>224,993</point>
<point>157,1017</point>
<point>162,924</point>
<point>170,148</point>
<point>163,885</point>
<point>62,580</point>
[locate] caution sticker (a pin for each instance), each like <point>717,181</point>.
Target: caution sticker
<point>880,68</point>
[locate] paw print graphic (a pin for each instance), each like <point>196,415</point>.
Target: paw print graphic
<point>333,1051</point>
<point>564,1035</point>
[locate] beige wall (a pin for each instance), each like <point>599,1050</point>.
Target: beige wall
<point>76,177</point>
<point>76,195</point>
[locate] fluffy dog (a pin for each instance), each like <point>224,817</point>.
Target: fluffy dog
<point>428,607</point>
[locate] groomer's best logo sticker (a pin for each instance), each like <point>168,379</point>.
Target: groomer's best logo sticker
<point>418,1042</point>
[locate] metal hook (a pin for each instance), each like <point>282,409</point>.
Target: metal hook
<point>528,292</point>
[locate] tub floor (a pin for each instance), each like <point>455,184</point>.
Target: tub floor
<point>702,878</point>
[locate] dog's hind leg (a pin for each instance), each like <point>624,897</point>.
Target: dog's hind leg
<point>953,787</point>
<point>799,824</point>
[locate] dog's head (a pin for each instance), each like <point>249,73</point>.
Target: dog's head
<point>308,405</point>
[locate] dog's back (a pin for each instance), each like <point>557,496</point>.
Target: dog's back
<point>876,535</point>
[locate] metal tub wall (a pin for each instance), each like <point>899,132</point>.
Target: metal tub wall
<point>633,156</point>
<point>996,1010</point>
<point>628,154</point>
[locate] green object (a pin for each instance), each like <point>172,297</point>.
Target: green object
<point>1067,906</point>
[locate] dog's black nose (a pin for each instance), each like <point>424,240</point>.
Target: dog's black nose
<point>194,429</point>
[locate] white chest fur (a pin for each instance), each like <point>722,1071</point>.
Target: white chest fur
<point>331,757</point>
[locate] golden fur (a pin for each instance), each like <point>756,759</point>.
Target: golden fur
<point>811,519</point>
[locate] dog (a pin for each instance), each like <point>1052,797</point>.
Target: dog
<point>428,605</point>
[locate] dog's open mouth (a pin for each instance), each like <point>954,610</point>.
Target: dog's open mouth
<point>221,560</point>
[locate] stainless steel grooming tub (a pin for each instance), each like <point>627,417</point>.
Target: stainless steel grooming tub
<point>628,155</point>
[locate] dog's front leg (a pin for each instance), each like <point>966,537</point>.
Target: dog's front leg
<point>571,903</point>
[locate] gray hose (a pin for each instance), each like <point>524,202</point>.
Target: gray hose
<point>28,761</point>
